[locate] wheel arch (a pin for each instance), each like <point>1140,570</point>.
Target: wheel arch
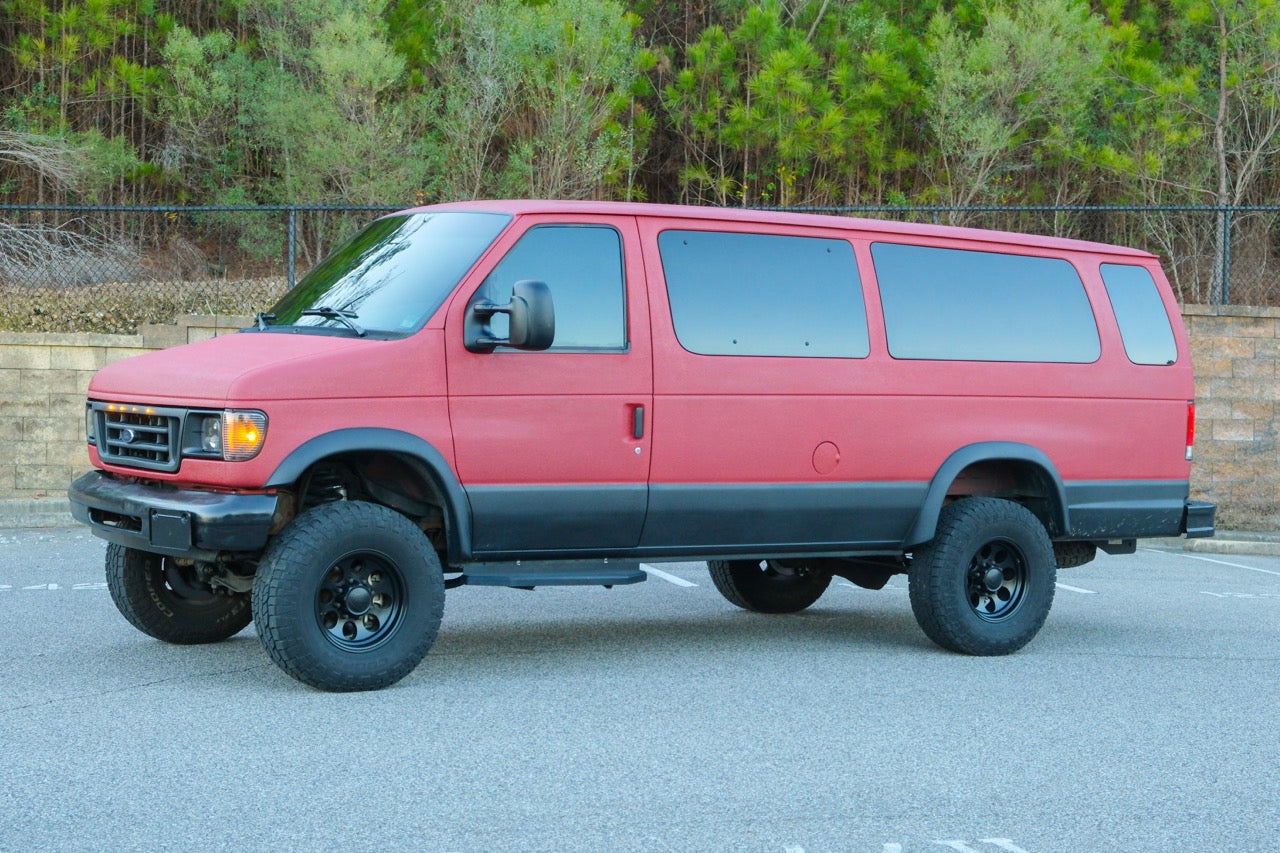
<point>1033,471</point>
<point>422,459</point>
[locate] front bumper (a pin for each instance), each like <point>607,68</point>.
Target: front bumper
<point>166,520</point>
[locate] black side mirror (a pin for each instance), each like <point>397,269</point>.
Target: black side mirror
<point>531,316</point>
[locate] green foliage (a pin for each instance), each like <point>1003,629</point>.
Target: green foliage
<point>539,100</point>
<point>760,102</point>
<point>776,112</point>
<point>1012,98</point>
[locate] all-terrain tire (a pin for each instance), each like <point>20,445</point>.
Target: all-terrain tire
<point>1069,555</point>
<point>163,600</point>
<point>348,597</point>
<point>768,586</point>
<point>984,584</point>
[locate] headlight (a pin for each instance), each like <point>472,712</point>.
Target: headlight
<point>90,426</point>
<point>233,434</point>
<point>211,434</point>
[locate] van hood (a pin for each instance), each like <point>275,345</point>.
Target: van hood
<point>246,368</point>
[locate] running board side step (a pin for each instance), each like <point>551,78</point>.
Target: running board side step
<point>526,574</point>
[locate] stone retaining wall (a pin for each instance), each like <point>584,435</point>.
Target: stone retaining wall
<point>43,381</point>
<point>1235,351</point>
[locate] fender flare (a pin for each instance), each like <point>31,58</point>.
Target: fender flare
<point>432,464</point>
<point>926,522</point>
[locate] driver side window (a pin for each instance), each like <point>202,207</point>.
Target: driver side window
<point>582,266</point>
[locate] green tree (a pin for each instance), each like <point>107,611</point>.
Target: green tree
<point>1011,98</point>
<point>1195,119</point>
<point>804,106</point>
<point>80,75</point>
<point>539,100</point>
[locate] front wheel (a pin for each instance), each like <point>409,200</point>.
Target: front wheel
<point>985,583</point>
<point>348,597</point>
<point>768,586</point>
<point>163,599</point>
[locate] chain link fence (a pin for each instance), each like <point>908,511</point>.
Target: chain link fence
<point>110,269</point>
<point>1212,255</point>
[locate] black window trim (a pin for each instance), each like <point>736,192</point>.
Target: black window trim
<point>1124,342</point>
<point>1007,251</point>
<point>622,271</point>
<point>747,230</point>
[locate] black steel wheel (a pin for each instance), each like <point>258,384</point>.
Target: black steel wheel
<point>768,586</point>
<point>361,601</point>
<point>984,585</point>
<point>165,600</point>
<point>997,580</point>
<point>348,597</point>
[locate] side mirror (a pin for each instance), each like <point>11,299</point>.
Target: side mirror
<point>531,316</point>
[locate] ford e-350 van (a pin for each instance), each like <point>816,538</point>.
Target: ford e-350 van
<point>531,393</point>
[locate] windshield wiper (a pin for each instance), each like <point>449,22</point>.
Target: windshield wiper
<point>265,318</point>
<point>347,318</point>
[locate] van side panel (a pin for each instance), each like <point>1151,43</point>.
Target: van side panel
<point>870,434</point>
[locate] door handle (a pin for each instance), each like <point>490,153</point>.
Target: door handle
<point>637,422</point>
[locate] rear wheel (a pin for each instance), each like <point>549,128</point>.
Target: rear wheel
<point>985,583</point>
<point>348,597</point>
<point>768,586</point>
<point>163,599</point>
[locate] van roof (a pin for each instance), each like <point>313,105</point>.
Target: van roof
<point>777,217</point>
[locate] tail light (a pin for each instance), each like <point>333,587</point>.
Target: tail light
<point>1191,427</point>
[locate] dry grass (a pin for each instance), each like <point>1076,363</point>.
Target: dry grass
<point>121,307</point>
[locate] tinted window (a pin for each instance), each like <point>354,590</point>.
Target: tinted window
<point>392,276</point>
<point>582,265</point>
<point>754,294</point>
<point>960,305</point>
<point>1140,313</point>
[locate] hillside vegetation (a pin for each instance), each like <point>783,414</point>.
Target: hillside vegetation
<point>783,102</point>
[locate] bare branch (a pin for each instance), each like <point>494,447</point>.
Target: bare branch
<point>49,157</point>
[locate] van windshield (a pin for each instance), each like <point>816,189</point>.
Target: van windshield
<point>389,279</point>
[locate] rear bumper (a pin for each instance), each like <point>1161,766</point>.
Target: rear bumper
<point>1197,519</point>
<point>166,520</point>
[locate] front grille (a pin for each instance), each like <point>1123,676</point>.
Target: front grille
<point>140,437</point>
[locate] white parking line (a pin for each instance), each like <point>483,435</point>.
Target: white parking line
<point>1004,844</point>
<point>1075,589</point>
<point>1233,565</point>
<point>666,576</point>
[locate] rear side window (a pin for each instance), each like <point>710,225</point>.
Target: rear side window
<point>1140,313</point>
<point>582,266</point>
<point>760,294</point>
<point>962,305</point>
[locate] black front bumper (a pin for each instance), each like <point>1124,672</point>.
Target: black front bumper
<point>166,520</point>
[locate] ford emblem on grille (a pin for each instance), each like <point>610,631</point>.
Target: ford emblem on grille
<point>128,436</point>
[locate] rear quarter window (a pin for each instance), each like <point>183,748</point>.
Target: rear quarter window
<point>965,305</point>
<point>1140,314</point>
<point>761,294</point>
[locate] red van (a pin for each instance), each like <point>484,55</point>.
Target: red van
<point>526,393</point>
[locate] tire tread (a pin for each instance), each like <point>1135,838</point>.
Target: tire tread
<point>743,584</point>
<point>285,566</point>
<point>140,596</point>
<point>939,566</point>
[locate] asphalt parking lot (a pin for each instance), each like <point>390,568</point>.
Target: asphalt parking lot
<point>658,717</point>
